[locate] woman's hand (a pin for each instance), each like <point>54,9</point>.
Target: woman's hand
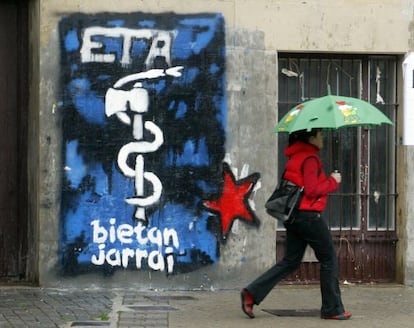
<point>337,176</point>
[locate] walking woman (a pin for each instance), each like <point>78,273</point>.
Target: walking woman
<point>306,227</point>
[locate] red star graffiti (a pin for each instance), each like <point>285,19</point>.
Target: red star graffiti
<point>233,203</point>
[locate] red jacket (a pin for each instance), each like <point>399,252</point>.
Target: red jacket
<point>304,168</point>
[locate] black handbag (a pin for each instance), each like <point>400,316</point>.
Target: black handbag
<point>284,200</point>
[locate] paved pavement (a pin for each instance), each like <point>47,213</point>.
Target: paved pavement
<point>286,306</point>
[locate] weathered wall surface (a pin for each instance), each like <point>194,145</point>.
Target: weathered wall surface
<point>143,104</point>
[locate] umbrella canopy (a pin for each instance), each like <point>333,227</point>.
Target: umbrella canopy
<point>331,112</point>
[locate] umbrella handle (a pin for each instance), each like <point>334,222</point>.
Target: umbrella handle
<point>335,150</point>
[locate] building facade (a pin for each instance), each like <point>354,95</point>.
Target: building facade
<point>146,137</point>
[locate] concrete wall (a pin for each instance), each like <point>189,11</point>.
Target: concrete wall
<point>254,30</point>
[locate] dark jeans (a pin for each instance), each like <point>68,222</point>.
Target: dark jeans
<point>306,228</point>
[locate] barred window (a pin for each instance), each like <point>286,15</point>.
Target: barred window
<point>365,157</point>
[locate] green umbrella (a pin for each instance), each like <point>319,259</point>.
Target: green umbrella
<point>331,112</point>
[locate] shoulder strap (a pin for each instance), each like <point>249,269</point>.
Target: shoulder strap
<point>317,159</point>
<point>303,163</point>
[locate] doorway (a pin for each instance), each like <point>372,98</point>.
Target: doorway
<point>13,141</point>
<point>361,214</point>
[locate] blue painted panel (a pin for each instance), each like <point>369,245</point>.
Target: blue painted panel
<point>144,112</point>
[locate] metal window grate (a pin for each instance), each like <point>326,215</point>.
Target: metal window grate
<point>365,158</point>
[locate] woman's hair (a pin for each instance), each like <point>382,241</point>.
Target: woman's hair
<point>303,135</point>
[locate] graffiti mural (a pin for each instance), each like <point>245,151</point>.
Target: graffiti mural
<point>144,116</point>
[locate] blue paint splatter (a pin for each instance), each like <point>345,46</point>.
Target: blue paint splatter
<point>116,22</point>
<point>75,166</point>
<point>192,155</point>
<point>182,109</point>
<point>146,23</point>
<point>89,105</point>
<point>207,26</point>
<point>71,41</point>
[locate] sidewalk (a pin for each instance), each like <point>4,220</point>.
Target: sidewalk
<point>372,306</point>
